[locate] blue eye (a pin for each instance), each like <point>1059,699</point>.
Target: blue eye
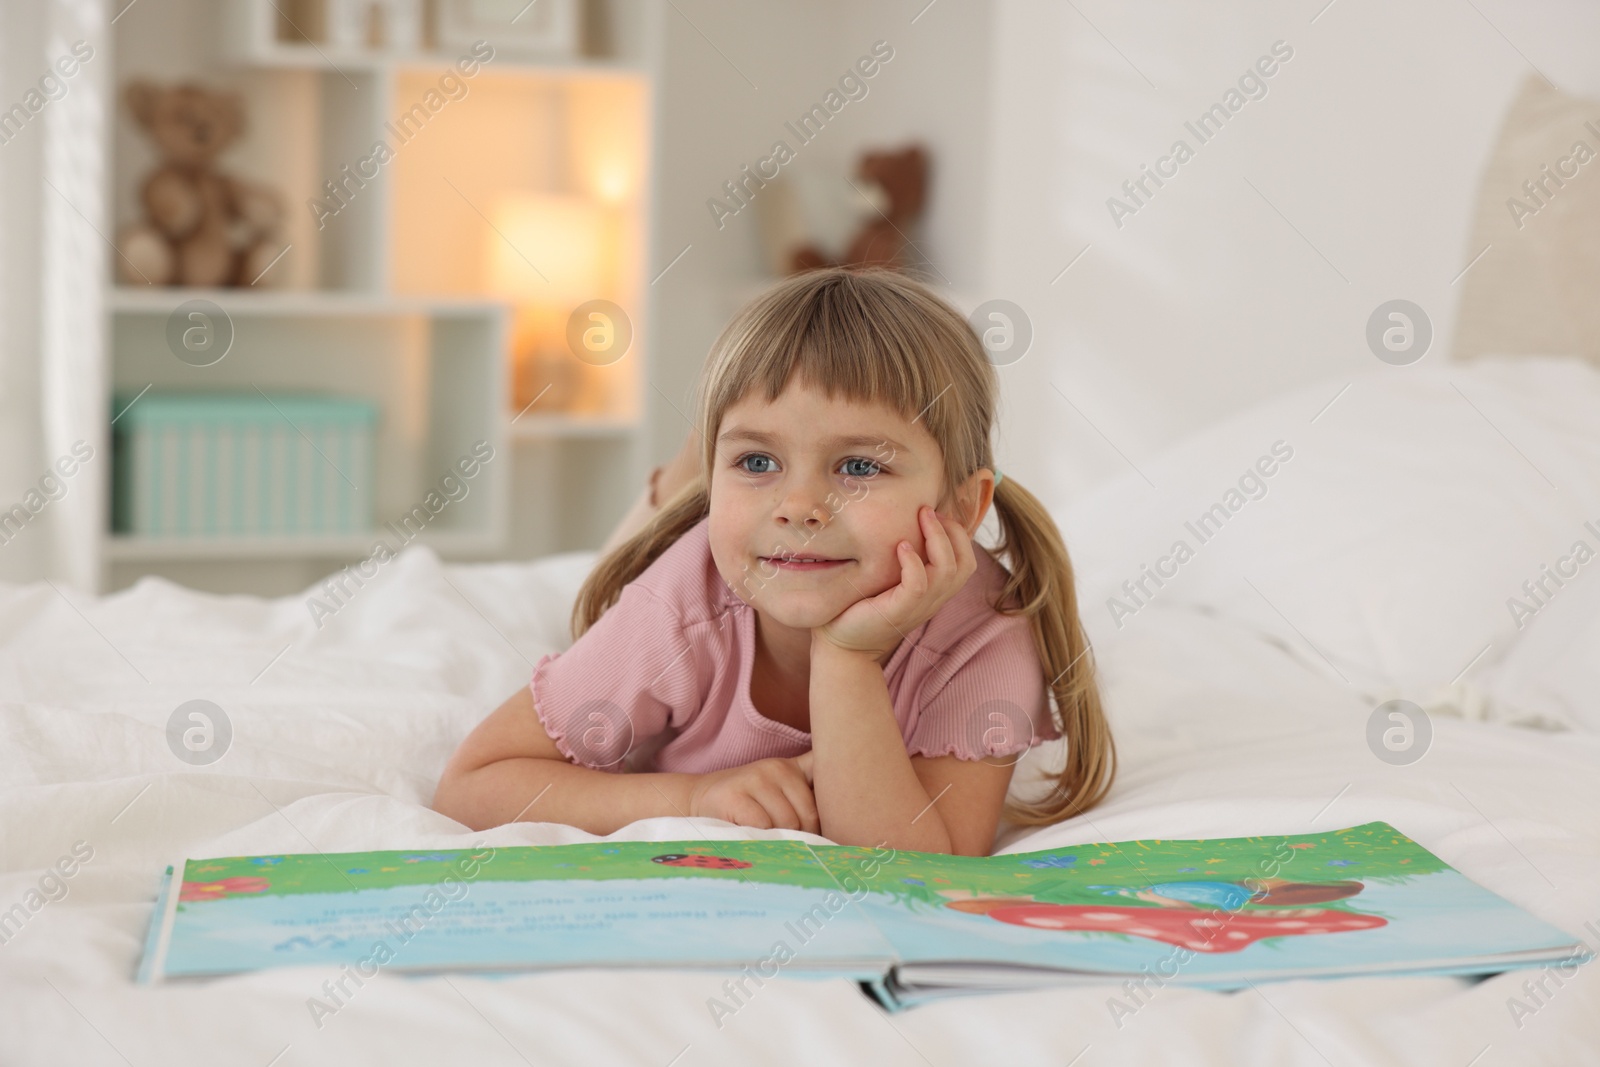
<point>872,466</point>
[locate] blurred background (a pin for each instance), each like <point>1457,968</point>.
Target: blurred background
<point>284,280</point>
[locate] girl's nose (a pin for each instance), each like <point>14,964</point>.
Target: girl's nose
<point>801,505</point>
<point>813,519</point>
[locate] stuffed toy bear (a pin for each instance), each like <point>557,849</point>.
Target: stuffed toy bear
<point>202,227</point>
<point>897,184</point>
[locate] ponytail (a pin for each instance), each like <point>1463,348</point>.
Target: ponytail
<point>628,560</point>
<point>1042,582</point>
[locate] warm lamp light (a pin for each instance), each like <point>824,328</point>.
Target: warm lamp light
<point>611,183</point>
<point>548,249</point>
<point>547,254</point>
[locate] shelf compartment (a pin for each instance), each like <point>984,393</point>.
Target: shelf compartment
<point>433,370</point>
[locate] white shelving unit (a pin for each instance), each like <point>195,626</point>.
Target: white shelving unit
<point>390,298</point>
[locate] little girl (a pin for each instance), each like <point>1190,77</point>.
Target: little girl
<point>804,635</point>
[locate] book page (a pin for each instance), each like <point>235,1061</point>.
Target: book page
<point>768,904</point>
<point>1363,899</point>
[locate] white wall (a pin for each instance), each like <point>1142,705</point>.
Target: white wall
<point>22,60</point>
<point>1369,142</point>
<point>53,234</point>
<point>1368,146</point>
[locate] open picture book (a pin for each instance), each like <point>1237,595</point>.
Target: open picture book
<point>908,926</point>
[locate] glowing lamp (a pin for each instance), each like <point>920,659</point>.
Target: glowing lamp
<point>546,255</point>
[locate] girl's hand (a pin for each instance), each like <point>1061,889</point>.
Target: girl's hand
<point>767,794</point>
<point>873,625</point>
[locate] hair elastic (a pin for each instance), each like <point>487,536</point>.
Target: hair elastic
<point>998,477</point>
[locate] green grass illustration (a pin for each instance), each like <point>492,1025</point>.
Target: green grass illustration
<point>1078,874</point>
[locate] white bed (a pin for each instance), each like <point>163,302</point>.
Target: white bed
<point>1377,565</point>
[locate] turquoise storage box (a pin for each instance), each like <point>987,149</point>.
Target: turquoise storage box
<point>242,464</point>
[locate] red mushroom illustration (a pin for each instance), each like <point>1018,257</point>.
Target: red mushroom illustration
<point>715,863</point>
<point>1190,928</point>
<point>192,891</point>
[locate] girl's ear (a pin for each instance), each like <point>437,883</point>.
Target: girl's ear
<point>973,499</point>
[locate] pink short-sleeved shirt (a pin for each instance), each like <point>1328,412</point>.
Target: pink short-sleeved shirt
<point>662,680</point>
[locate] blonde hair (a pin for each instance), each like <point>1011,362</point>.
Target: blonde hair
<point>879,337</point>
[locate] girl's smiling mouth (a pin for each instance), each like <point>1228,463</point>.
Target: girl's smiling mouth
<point>803,563</point>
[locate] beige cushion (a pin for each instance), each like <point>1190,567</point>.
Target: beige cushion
<point>1537,290</point>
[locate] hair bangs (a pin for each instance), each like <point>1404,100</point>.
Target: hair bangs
<point>868,343</point>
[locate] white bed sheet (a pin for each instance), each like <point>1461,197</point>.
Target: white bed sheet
<point>338,743</point>
<point>340,733</point>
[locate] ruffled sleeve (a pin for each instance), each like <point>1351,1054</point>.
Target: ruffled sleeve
<point>630,677</point>
<point>989,700</point>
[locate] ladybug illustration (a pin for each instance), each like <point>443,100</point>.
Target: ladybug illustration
<point>715,863</point>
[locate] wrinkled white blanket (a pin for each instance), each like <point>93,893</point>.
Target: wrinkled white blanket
<point>339,735</point>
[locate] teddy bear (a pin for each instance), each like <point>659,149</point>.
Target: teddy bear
<point>896,184</point>
<point>202,227</point>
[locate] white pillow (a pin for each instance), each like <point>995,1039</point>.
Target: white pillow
<point>1553,669</point>
<point>1385,549</point>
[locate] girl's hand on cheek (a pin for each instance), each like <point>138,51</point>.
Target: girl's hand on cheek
<point>873,625</point>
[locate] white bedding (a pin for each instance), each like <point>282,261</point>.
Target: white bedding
<point>1227,725</point>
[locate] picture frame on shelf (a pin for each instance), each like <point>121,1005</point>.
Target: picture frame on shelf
<point>394,26</point>
<point>543,28</point>
<point>379,27</point>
